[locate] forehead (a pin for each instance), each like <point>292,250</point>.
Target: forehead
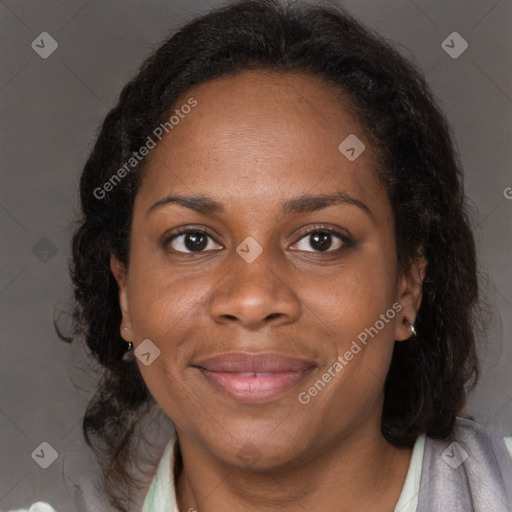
<point>258,134</point>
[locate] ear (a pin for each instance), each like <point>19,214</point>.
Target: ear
<point>409,296</point>
<point>121,275</point>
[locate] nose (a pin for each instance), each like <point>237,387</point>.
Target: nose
<point>254,295</point>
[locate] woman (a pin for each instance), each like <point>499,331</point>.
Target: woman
<point>275,249</point>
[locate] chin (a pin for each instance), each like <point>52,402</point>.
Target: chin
<point>258,450</point>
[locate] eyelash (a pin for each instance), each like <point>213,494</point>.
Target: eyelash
<point>346,241</point>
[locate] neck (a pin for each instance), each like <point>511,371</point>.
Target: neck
<point>362,472</point>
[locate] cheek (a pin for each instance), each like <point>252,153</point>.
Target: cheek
<point>165,310</point>
<point>353,296</point>
<point>165,307</point>
<point>355,304</point>
<point>162,298</point>
<point>359,338</point>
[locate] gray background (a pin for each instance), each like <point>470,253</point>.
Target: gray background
<point>51,110</point>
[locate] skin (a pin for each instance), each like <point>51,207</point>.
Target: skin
<point>254,141</point>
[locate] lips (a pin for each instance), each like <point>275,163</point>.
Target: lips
<point>254,377</point>
<point>254,363</point>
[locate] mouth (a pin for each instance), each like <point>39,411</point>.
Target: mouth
<point>251,378</point>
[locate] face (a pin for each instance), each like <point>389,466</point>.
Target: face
<point>263,267</point>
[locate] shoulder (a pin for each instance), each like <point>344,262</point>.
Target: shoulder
<point>472,427</point>
<point>508,444</point>
<point>481,439</point>
<point>470,468</point>
<point>473,445</point>
<point>160,493</point>
<point>36,507</point>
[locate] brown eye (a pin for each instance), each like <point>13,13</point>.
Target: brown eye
<point>192,241</point>
<point>321,241</point>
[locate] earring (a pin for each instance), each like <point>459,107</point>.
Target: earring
<point>130,344</point>
<point>412,330</point>
<point>129,354</point>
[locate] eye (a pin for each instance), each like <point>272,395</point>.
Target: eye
<point>322,240</point>
<point>190,241</point>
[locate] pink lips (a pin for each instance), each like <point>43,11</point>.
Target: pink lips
<point>254,377</point>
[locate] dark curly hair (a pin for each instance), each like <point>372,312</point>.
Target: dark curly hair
<point>418,165</point>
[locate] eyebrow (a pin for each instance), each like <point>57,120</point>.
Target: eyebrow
<point>302,204</point>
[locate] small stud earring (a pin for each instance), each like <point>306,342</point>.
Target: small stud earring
<point>412,330</point>
<point>130,345</point>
